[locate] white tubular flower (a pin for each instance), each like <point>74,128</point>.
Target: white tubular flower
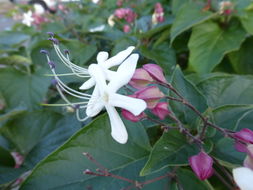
<point>105,64</point>
<point>105,96</point>
<point>243,177</point>
<point>27,18</point>
<point>106,84</point>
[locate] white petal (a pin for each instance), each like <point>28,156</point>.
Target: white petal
<point>119,58</point>
<point>133,105</point>
<point>87,84</point>
<point>98,75</point>
<point>118,129</point>
<point>102,57</point>
<point>124,73</point>
<point>95,104</point>
<point>244,178</point>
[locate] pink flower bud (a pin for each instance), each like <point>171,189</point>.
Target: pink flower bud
<point>140,79</point>
<point>120,13</point>
<point>159,13</point>
<point>202,164</point>
<point>240,147</point>
<point>130,15</point>
<point>131,117</point>
<point>151,95</point>
<point>245,135</point>
<point>161,110</point>
<point>119,3</point>
<point>126,28</point>
<point>155,71</point>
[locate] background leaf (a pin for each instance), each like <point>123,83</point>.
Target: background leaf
<point>209,43</point>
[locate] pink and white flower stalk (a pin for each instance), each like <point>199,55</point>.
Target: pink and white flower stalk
<point>158,16</point>
<point>125,13</point>
<point>19,159</point>
<point>202,165</point>
<point>106,84</point>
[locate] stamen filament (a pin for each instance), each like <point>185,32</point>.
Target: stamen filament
<point>70,90</point>
<point>65,74</point>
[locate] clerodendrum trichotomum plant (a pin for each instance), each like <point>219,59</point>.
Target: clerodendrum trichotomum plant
<point>147,101</point>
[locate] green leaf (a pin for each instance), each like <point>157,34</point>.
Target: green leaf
<point>172,149</point>
<point>163,55</point>
<point>189,15</point>
<point>226,153</point>
<point>176,5</point>
<point>245,14</point>
<point>12,113</point>
<point>190,93</point>
<point>189,181</point>
<point>21,88</point>
<point>15,60</point>
<point>227,116</point>
<point>209,43</point>
<point>10,38</point>
<point>8,174</point>
<point>6,158</point>
<point>227,89</point>
<point>68,162</point>
<point>242,59</point>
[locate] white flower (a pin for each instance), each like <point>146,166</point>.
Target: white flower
<point>38,9</point>
<point>105,96</point>
<point>27,18</point>
<point>105,64</point>
<point>244,178</point>
<point>106,83</point>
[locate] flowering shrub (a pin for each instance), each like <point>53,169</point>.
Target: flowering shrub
<point>127,95</point>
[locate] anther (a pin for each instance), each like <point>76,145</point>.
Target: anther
<point>54,82</point>
<point>51,64</point>
<point>66,52</point>
<point>44,51</point>
<point>51,34</point>
<point>54,40</point>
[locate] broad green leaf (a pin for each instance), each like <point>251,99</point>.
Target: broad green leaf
<point>227,116</point>
<point>190,93</point>
<point>10,38</point>
<point>189,181</point>
<point>6,158</point>
<point>21,88</point>
<point>163,55</point>
<point>228,89</point>
<point>225,151</point>
<point>68,162</point>
<point>29,128</point>
<point>172,149</point>
<point>176,5</point>
<point>242,59</point>
<point>12,113</point>
<point>245,121</point>
<point>245,14</point>
<point>189,15</point>
<point>15,60</point>
<point>209,43</point>
<point>8,174</point>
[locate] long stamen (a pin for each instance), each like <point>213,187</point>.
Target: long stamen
<point>78,114</point>
<point>64,74</point>
<point>70,90</point>
<point>79,71</point>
